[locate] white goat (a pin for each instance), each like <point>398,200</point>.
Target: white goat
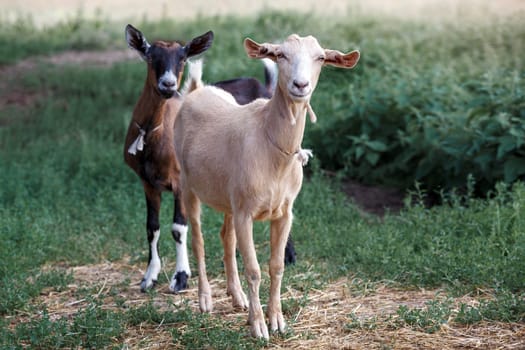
<point>245,161</point>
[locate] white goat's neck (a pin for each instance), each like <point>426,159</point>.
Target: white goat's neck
<point>285,123</point>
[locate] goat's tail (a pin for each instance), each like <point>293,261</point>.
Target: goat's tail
<point>194,79</point>
<point>270,75</point>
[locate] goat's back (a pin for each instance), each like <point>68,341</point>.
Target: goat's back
<point>212,127</point>
<point>244,90</point>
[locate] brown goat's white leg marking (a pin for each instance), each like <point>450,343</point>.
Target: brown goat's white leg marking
<point>244,233</point>
<point>179,231</point>
<point>193,210</point>
<point>279,231</point>
<point>154,265</point>
<point>179,281</point>
<point>229,243</point>
<point>153,199</point>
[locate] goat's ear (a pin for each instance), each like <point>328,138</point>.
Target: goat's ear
<point>256,50</point>
<point>137,41</point>
<point>199,44</point>
<point>341,60</point>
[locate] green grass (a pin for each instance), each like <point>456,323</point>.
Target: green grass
<point>23,39</point>
<point>68,199</point>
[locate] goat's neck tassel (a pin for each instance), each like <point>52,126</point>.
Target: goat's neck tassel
<point>138,144</point>
<point>303,155</point>
<point>313,117</point>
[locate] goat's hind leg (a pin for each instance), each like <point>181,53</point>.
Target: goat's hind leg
<point>179,231</point>
<point>153,198</point>
<point>229,243</point>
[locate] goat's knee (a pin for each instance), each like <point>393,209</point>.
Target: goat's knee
<point>277,269</point>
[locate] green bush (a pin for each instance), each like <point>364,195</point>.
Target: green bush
<point>427,105</point>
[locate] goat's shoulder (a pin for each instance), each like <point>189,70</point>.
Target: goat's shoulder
<point>221,94</point>
<point>211,102</point>
<point>208,100</point>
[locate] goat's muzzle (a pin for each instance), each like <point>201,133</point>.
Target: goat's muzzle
<point>169,93</point>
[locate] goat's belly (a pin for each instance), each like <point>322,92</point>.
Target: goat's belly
<point>214,198</point>
<point>276,202</point>
<point>267,206</point>
<point>269,214</point>
<point>254,206</point>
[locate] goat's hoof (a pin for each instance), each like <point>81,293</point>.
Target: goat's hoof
<point>277,322</point>
<point>259,329</point>
<point>179,282</point>
<point>147,284</point>
<point>205,303</point>
<point>239,300</point>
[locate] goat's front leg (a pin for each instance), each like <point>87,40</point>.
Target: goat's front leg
<point>229,243</point>
<point>153,198</point>
<point>193,210</point>
<point>279,231</point>
<point>244,233</point>
<point>179,231</point>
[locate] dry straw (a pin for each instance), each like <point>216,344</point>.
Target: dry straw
<point>347,314</point>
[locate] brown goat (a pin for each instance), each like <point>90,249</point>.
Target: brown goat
<point>148,148</point>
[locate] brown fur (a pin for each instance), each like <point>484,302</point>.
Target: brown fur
<point>154,160</point>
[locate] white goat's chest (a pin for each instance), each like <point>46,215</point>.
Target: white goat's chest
<point>277,195</point>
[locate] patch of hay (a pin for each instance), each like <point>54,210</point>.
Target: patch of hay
<point>321,319</point>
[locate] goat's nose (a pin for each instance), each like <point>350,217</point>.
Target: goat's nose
<point>300,84</point>
<point>168,83</point>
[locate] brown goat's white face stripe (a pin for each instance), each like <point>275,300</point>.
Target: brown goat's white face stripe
<point>166,61</point>
<point>168,81</point>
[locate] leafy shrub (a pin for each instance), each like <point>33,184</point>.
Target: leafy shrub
<point>427,105</point>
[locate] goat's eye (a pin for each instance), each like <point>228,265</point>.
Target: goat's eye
<point>281,56</point>
<point>321,58</point>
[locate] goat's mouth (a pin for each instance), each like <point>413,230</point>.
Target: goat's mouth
<point>168,93</point>
<point>299,96</point>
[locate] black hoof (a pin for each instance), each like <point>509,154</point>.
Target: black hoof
<point>289,253</point>
<point>180,282</point>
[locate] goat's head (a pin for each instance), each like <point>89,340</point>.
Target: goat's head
<point>166,59</point>
<point>300,60</point>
